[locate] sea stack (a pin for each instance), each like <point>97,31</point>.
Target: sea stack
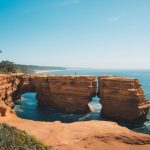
<point>122,99</point>
<point>71,94</point>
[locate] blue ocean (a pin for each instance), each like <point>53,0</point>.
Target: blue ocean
<point>27,108</point>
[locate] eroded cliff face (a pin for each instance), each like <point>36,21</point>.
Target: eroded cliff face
<point>122,99</point>
<point>73,92</point>
<point>10,85</point>
<point>70,94</point>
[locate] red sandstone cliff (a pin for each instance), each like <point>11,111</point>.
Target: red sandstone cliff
<point>122,99</point>
<point>9,85</point>
<point>88,135</point>
<point>70,94</point>
<point>9,88</point>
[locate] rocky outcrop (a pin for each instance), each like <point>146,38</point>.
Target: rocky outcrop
<point>70,94</point>
<point>75,92</point>
<point>122,99</point>
<point>9,87</point>
<point>87,135</point>
<point>40,85</point>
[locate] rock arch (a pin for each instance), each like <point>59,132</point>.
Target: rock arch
<point>69,94</point>
<point>121,98</point>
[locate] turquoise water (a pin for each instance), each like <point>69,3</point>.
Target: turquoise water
<point>27,108</point>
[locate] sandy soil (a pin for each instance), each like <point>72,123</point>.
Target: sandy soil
<point>89,135</point>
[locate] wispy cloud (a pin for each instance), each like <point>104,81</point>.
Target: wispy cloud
<point>112,19</point>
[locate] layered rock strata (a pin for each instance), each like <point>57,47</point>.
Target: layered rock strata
<point>122,99</point>
<point>70,94</point>
<point>9,88</point>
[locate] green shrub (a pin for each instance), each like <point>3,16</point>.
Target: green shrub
<point>12,138</point>
<point>7,67</point>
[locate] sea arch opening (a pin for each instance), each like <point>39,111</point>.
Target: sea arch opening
<point>57,98</point>
<point>27,108</point>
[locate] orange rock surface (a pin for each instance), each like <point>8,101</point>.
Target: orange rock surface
<point>70,94</point>
<point>117,95</point>
<point>88,135</point>
<point>122,99</point>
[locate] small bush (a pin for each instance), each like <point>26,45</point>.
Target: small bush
<point>12,138</point>
<point>7,67</point>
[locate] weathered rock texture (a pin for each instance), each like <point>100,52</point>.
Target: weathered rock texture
<point>9,88</point>
<point>9,84</point>
<point>122,99</point>
<point>87,135</point>
<point>70,94</point>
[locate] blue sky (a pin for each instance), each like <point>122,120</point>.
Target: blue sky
<point>76,33</point>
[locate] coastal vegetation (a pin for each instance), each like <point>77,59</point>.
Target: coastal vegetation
<point>33,68</point>
<point>7,67</point>
<point>12,138</point>
<point>11,67</point>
